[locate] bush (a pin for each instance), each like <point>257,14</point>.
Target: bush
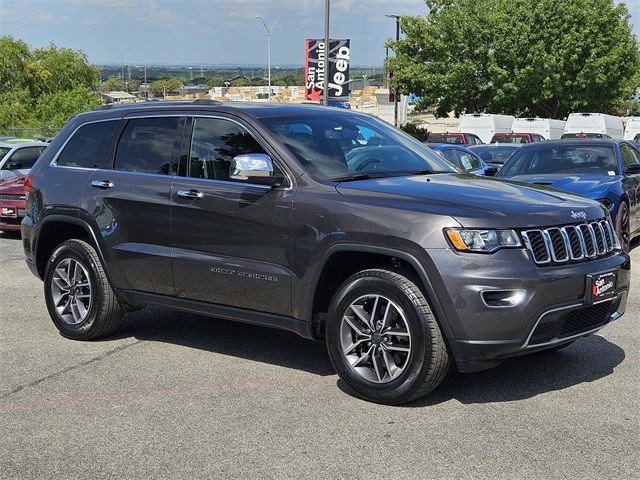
<point>415,131</point>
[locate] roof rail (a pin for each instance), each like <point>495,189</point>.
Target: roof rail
<point>158,103</point>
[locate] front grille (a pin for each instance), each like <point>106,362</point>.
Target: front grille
<point>586,318</point>
<point>571,242</point>
<point>12,196</point>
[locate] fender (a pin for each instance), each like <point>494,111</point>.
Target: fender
<point>432,297</point>
<point>62,218</point>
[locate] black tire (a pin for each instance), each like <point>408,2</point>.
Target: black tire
<point>622,226</point>
<point>104,314</point>
<point>428,360</point>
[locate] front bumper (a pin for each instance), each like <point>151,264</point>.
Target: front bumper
<point>555,309</point>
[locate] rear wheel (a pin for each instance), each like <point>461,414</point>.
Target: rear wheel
<point>622,226</point>
<point>78,296</point>
<point>383,339</point>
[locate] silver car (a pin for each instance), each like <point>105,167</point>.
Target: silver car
<point>18,155</point>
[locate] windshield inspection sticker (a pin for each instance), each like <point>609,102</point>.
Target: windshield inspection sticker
<point>611,173</point>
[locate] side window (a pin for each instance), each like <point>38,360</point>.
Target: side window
<point>26,157</point>
<point>450,155</point>
<point>86,147</point>
<point>147,145</point>
<point>468,161</point>
<point>628,157</point>
<point>635,154</point>
<point>214,143</point>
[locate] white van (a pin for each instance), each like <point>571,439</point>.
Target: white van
<point>485,125</point>
<point>549,128</point>
<point>632,128</point>
<point>593,124</point>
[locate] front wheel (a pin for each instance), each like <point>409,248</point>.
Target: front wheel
<point>383,339</point>
<point>78,296</point>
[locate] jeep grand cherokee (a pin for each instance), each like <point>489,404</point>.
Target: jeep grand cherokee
<point>325,222</point>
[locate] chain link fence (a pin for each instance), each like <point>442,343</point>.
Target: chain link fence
<point>34,132</point>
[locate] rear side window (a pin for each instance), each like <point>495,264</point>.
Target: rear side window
<point>147,145</point>
<point>86,147</point>
<point>26,157</point>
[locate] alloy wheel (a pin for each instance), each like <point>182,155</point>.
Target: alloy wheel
<point>71,291</point>
<point>375,338</point>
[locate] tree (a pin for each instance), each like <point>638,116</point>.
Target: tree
<point>535,57</point>
<point>166,86</point>
<point>113,84</point>
<point>42,87</point>
<point>215,82</point>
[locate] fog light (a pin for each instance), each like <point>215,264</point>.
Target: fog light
<point>503,298</point>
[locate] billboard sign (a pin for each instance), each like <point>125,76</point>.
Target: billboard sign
<point>315,67</point>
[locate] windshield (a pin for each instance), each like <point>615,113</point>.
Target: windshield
<point>343,146</point>
<point>494,154</point>
<point>3,152</point>
<point>562,159</point>
<point>510,138</point>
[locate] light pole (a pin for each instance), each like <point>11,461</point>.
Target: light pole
<point>325,94</point>
<point>395,94</point>
<point>269,30</point>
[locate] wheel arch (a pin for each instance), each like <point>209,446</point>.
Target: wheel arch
<point>57,228</point>
<point>381,252</point>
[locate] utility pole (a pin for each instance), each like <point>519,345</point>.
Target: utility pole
<point>269,30</point>
<point>395,94</point>
<point>325,84</point>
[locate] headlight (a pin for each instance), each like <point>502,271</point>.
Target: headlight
<point>608,204</point>
<point>484,241</point>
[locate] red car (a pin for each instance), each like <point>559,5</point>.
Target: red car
<point>454,138</point>
<point>517,138</point>
<point>12,203</point>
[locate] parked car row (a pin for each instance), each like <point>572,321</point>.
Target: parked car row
<point>485,128</point>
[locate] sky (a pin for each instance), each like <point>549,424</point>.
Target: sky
<point>207,31</point>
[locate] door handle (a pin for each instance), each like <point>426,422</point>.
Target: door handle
<point>190,194</point>
<point>104,184</point>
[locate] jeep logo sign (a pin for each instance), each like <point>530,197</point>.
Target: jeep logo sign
<point>578,215</point>
<point>315,68</point>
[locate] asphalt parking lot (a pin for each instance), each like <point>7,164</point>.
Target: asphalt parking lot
<point>174,395</point>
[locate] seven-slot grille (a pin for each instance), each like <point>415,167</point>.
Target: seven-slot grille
<point>571,242</point>
<point>12,196</point>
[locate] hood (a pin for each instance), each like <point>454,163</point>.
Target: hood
<point>482,202</point>
<point>12,186</point>
<point>590,185</point>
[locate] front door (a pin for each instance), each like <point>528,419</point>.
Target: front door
<point>232,239</point>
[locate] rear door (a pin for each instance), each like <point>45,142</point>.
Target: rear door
<point>130,202</point>
<point>232,238</point>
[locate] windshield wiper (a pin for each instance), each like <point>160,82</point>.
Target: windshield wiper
<point>351,178</point>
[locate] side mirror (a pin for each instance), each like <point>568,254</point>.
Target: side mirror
<point>491,171</point>
<point>632,169</point>
<point>252,166</point>
<point>14,166</point>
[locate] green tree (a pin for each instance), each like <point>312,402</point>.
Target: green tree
<point>42,87</point>
<point>113,84</point>
<point>166,86</point>
<point>536,57</point>
<point>215,82</point>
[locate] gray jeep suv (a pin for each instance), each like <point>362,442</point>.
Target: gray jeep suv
<point>325,222</point>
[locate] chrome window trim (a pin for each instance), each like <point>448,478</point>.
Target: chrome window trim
<point>54,160</point>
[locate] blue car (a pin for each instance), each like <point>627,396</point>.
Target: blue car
<point>601,169</point>
<point>463,158</point>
